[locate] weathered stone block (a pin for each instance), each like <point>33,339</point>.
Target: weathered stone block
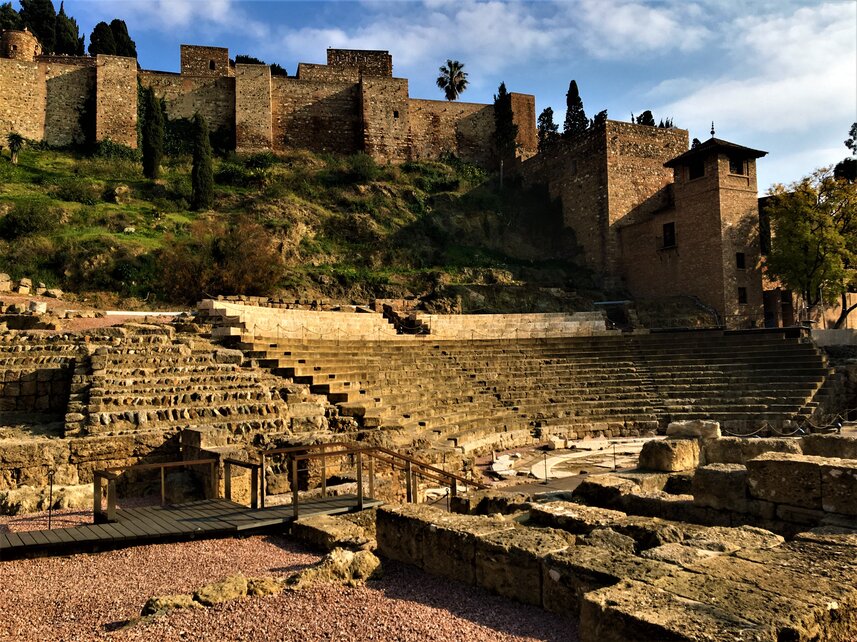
<point>574,518</point>
<point>839,486</point>
<point>738,450</point>
<point>509,563</point>
<point>603,490</point>
<point>670,455</point>
<point>694,428</point>
<point>327,532</point>
<point>783,478</point>
<point>720,486</point>
<point>841,446</point>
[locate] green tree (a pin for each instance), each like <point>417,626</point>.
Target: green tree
<point>16,142</point>
<point>547,129</point>
<point>9,18</point>
<point>851,141</point>
<point>244,59</point>
<point>814,246</point>
<point>124,45</point>
<point>40,17</point>
<point>278,70</point>
<point>101,40</point>
<point>847,168</point>
<point>505,129</point>
<point>600,119</point>
<point>452,79</point>
<point>646,118</point>
<point>67,35</point>
<point>153,134</point>
<point>575,118</point>
<point>202,174</point>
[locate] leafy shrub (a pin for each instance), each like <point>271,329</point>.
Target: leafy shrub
<point>219,257</point>
<point>77,190</point>
<point>115,151</point>
<point>28,218</point>
<point>262,160</point>
<point>362,168</point>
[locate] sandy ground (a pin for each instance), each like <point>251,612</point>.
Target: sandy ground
<point>91,597</point>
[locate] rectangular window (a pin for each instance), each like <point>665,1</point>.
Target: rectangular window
<point>669,235</point>
<point>696,169</point>
<point>736,166</point>
<point>740,260</point>
<point>742,296</point>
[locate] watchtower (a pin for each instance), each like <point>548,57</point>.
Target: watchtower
<point>19,45</point>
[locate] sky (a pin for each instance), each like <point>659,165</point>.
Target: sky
<point>775,75</point>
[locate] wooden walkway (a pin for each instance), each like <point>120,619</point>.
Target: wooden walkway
<point>206,518</point>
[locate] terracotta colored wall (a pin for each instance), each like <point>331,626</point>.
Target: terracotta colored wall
<point>253,128</point>
<point>370,63</point>
<point>68,84</point>
<point>22,99</point>
<point>214,98</point>
<point>465,129</point>
<point>384,105</point>
<point>116,100</point>
<point>196,61</point>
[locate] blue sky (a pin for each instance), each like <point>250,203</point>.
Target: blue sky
<point>777,75</point>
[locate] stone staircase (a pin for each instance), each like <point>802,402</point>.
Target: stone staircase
<point>474,395</point>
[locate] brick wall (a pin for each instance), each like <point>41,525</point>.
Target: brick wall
<point>253,128</point>
<point>68,83</point>
<point>205,61</point>
<point>22,99</point>
<point>318,116</point>
<point>323,73</point>
<point>214,98</point>
<point>370,63</point>
<point>466,129</point>
<point>386,130</point>
<point>116,100</point>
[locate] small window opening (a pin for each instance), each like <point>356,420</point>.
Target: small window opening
<point>742,296</point>
<point>395,113</point>
<point>14,47</point>
<point>696,169</point>
<point>736,166</point>
<point>212,65</point>
<point>669,235</point>
<point>740,260</point>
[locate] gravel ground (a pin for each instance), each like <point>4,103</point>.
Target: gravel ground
<point>89,598</point>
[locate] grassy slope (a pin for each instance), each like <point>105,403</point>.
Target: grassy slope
<point>344,228</point>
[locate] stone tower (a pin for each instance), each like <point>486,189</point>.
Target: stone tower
<point>716,222</point>
<point>19,45</point>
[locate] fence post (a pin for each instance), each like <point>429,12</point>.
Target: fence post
<point>295,486</point>
<point>254,487</point>
<point>96,497</point>
<point>359,481</point>
<point>212,467</point>
<point>262,482</point>
<point>371,475</point>
<point>454,487</point>
<point>111,500</point>
<point>227,480</point>
<point>163,486</point>
<point>408,486</point>
<point>323,470</point>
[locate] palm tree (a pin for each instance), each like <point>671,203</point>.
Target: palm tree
<point>452,79</point>
<point>16,142</point>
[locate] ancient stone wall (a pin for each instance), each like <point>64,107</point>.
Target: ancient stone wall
<point>205,61</point>
<point>384,107</point>
<point>524,116</point>
<point>22,99</point>
<point>116,100</point>
<point>575,172</point>
<point>323,73</point>
<point>69,82</point>
<point>370,63</point>
<point>214,98</point>
<point>465,129</point>
<point>319,116</point>
<point>253,128</point>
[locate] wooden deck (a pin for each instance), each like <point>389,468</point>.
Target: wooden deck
<point>205,518</point>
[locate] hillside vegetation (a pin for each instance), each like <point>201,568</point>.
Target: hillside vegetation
<point>296,225</point>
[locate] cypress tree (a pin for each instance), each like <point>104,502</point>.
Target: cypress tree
<point>505,129</point>
<point>40,17</point>
<point>202,174</point>
<point>101,40</point>
<point>124,45</point>
<point>67,35</point>
<point>9,18</point>
<point>576,121</point>
<point>153,135</point>
<point>548,130</point>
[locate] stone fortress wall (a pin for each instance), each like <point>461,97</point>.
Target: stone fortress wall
<point>351,104</point>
